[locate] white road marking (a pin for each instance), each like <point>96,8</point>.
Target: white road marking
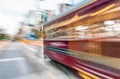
<point>11,59</point>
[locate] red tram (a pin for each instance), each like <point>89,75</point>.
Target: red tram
<point>87,39</point>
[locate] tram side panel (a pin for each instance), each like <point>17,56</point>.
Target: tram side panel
<point>77,55</point>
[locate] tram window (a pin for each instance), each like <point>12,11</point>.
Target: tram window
<point>101,25</point>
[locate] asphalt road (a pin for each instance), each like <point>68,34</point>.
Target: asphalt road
<point>15,65</point>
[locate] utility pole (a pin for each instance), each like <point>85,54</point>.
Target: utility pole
<point>41,52</point>
<point>37,4</point>
<point>73,2</point>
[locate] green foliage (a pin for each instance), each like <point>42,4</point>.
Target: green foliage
<point>38,34</point>
<point>2,36</point>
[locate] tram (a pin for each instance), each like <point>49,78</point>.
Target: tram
<point>87,39</point>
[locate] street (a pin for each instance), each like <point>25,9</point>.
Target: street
<point>14,64</point>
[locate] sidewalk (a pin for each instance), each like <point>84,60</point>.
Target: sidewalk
<point>3,44</point>
<point>33,42</point>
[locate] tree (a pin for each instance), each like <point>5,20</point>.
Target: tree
<point>2,35</point>
<point>38,34</point>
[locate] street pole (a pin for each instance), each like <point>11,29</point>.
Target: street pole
<point>41,26</point>
<point>37,4</point>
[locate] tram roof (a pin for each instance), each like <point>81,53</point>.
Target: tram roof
<point>79,8</point>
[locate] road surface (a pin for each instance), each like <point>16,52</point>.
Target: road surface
<point>15,65</point>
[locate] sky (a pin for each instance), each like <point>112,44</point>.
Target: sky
<point>12,11</point>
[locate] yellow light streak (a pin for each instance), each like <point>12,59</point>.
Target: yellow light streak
<point>102,10</point>
<point>86,75</point>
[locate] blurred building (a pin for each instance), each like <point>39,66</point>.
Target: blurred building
<point>35,18</point>
<point>64,7</point>
<point>49,14</point>
<point>33,21</point>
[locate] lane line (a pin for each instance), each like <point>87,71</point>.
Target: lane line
<point>11,59</point>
